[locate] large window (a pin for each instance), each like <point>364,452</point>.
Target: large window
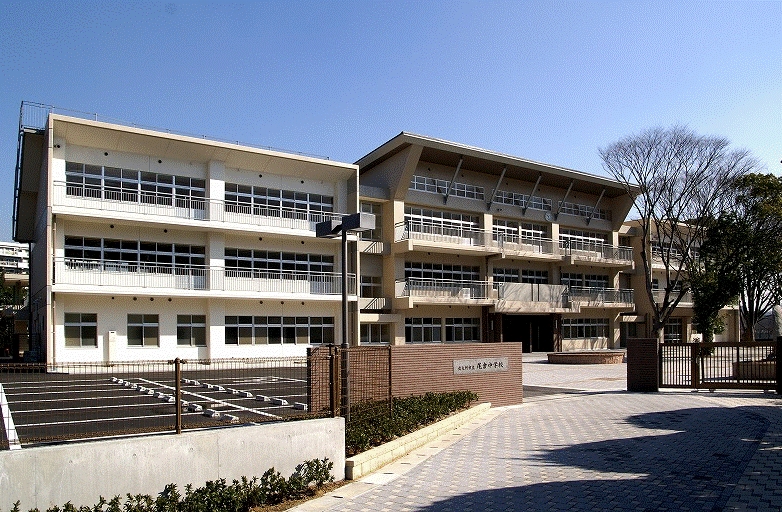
<point>377,233</point>
<point>375,334</point>
<point>276,330</point>
<point>584,210</point>
<point>523,200</point>
<point>132,255</point>
<point>584,328</point>
<point>505,275</point>
<point>585,280</point>
<point>134,186</point>
<point>143,331</point>
<point>371,286</point>
<point>505,230</point>
<point>438,186</point>
<point>578,238</point>
<point>191,330</point>
<point>441,271</point>
<point>81,330</point>
<point>272,202</point>
<point>462,329</point>
<point>423,330</point>
<point>672,331</point>
<point>439,222</point>
<point>272,264</point>
<point>534,276</point>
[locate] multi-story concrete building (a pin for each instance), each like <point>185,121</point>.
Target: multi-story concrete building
<point>151,245</point>
<point>474,245</point>
<point>14,258</point>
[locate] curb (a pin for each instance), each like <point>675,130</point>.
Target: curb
<point>370,460</point>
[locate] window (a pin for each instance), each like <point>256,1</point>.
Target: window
<point>271,202</point>
<point>534,276</point>
<point>377,233</point>
<point>523,200</point>
<point>462,330</point>
<point>276,330</point>
<point>191,330</point>
<point>584,210</point>
<point>274,264</point>
<point>423,330</point>
<point>672,331</point>
<point>505,230</point>
<point>375,334</point>
<point>582,240</point>
<point>441,271</point>
<point>505,275</point>
<point>437,186</point>
<point>143,331</point>
<point>81,330</point>
<point>582,328</point>
<point>371,286</point>
<point>423,220</point>
<point>133,256</point>
<point>129,185</point>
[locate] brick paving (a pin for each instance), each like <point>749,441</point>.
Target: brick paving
<point>598,449</point>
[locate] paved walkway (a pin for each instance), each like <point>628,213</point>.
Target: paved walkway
<point>589,445</point>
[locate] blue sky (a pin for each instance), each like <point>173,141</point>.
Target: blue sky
<point>551,81</point>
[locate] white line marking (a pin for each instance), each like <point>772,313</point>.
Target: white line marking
<point>10,429</point>
<point>210,399</point>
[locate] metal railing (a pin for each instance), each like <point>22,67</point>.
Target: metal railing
<point>725,365</point>
<point>659,295</point>
<point>56,402</point>
<point>202,209</point>
<point>440,234</point>
<point>444,288</point>
<point>600,296</point>
<point>74,271</point>
<point>595,251</point>
<point>515,244</point>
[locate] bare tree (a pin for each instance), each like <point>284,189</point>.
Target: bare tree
<point>684,180</point>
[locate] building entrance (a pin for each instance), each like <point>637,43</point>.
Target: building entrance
<point>534,332</point>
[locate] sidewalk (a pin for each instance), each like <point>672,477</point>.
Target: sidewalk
<point>581,442</point>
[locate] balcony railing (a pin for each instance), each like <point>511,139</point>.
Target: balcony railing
<point>124,275</point>
<point>600,296</point>
<point>595,251</point>
<point>525,245</point>
<point>440,234</point>
<point>554,295</point>
<point>167,205</point>
<point>659,295</point>
<point>443,288</point>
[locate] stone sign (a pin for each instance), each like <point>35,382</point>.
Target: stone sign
<point>482,365</point>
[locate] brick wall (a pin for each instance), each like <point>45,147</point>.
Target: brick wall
<point>417,369</point>
<point>642,365</point>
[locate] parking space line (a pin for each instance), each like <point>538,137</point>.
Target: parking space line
<point>8,422</point>
<point>210,399</point>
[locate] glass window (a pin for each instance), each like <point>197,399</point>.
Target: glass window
<point>81,330</point>
<point>462,330</point>
<point>423,330</point>
<point>191,330</point>
<point>143,331</point>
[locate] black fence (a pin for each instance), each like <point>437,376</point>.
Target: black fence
<point>731,365</point>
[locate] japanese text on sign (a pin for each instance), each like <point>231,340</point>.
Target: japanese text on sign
<point>482,365</point>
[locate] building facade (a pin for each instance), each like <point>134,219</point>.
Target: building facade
<point>148,245</point>
<point>479,246</point>
<point>14,258</point>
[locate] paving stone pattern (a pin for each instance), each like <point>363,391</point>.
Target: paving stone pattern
<point>601,449</point>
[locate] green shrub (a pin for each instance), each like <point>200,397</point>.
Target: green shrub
<point>374,423</point>
<point>219,495</point>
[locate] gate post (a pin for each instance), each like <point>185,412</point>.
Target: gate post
<point>642,365</point>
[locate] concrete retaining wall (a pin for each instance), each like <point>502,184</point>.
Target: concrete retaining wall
<point>81,472</point>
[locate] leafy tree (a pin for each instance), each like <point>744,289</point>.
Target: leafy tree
<point>684,180</point>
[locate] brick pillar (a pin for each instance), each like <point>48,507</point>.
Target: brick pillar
<point>642,365</point>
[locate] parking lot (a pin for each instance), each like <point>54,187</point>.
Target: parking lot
<point>86,402</point>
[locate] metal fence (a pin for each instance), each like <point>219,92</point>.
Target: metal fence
<point>48,403</point>
<point>730,365</point>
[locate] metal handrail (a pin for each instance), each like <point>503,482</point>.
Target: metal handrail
<point>430,287</point>
<point>601,295</point>
<point>604,251</point>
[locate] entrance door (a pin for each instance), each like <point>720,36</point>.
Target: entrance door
<point>534,332</point>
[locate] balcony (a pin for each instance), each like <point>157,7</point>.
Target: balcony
<point>531,298</point>
<point>686,302</point>
<point>141,206</point>
<point>605,254</point>
<point>443,239</point>
<point>445,291</point>
<point>129,277</point>
<point>601,297</point>
<point>527,247</point>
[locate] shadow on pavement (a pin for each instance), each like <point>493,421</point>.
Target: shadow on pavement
<point>692,461</point>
